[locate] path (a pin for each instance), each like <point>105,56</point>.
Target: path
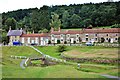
<point>60,60</point>
<point>22,64</point>
<point>109,76</point>
<point>105,75</point>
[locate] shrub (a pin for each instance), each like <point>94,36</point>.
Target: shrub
<point>119,40</point>
<point>61,48</point>
<point>74,42</point>
<point>65,42</point>
<point>115,26</point>
<point>49,42</point>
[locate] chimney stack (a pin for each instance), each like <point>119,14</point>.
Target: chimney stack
<point>52,29</point>
<point>33,31</point>
<point>9,28</point>
<point>59,29</point>
<point>20,28</point>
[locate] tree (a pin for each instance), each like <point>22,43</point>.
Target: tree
<point>75,21</point>
<point>55,21</point>
<point>86,23</point>
<point>119,40</point>
<point>65,19</point>
<point>61,48</point>
<point>4,39</point>
<point>43,31</point>
<point>35,21</point>
<point>10,22</point>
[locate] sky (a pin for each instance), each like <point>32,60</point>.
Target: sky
<point>10,5</point>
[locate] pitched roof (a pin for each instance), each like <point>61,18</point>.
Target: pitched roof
<point>110,30</point>
<point>58,32</point>
<point>36,35</point>
<point>15,33</point>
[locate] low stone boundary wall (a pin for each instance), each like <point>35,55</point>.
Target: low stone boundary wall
<point>94,60</point>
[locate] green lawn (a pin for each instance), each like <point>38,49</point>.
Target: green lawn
<point>11,67</point>
<point>81,52</point>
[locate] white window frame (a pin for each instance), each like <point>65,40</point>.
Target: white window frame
<point>28,40</point>
<point>36,40</point>
<point>23,40</point>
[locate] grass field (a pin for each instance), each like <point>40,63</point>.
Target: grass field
<point>92,52</point>
<point>82,52</point>
<point>11,67</point>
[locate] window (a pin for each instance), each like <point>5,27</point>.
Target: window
<point>116,38</point>
<point>61,35</point>
<point>86,39</point>
<point>68,40</point>
<point>68,35</point>
<point>52,40</point>
<point>77,35</point>
<point>36,40</point>
<point>106,38</point>
<point>116,34</point>
<point>22,40</point>
<point>77,40</point>
<point>28,40</point>
<point>52,35</point>
<point>106,34</point>
<point>86,35</point>
<point>96,39</point>
<point>61,39</point>
<point>95,34</point>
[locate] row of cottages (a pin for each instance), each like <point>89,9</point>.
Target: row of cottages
<point>66,36</point>
<point>85,35</point>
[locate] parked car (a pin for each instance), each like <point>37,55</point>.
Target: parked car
<point>16,43</point>
<point>89,44</point>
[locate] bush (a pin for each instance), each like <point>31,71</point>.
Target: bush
<point>115,26</point>
<point>49,42</point>
<point>65,42</point>
<point>119,40</point>
<point>61,48</point>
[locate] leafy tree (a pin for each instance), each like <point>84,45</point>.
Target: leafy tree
<point>43,31</point>
<point>75,21</point>
<point>35,21</point>
<point>65,19</point>
<point>10,22</point>
<point>4,39</point>
<point>86,23</point>
<point>61,48</point>
<point>55,21</point>
<point>119,40</point>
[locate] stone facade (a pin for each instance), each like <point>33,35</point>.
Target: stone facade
<point>67,37</point>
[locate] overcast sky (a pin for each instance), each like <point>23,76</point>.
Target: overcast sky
<point>10,5</point>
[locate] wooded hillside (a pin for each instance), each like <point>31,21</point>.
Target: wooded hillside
<point>72,16</point>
